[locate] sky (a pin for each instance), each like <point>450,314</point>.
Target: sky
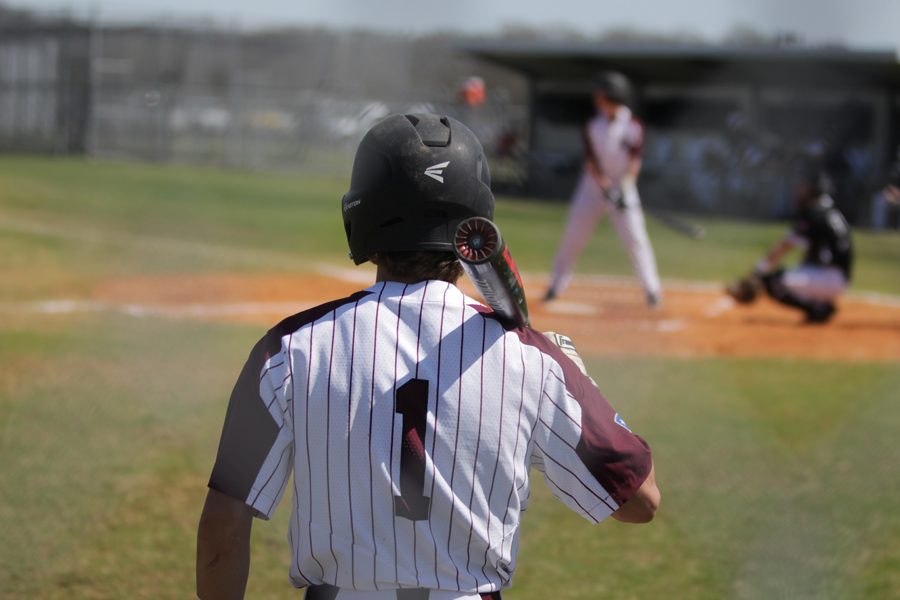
<point>857,23</point>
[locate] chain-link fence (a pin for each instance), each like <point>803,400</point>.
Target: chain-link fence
<point>302,99</point>
<point>202,95</point>
<point>44,89</point>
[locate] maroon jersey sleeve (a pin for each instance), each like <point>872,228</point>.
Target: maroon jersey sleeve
<point>589,155</point>
<point>253,460</point>
<point>634,138</point>
<point>255,454</point>
<point>591,459</point>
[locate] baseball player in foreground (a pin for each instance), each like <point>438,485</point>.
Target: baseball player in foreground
<point>824,273</point>
<point>613,141</point>
<point>407,415</point>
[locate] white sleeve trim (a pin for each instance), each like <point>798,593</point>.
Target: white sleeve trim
<point>263,506</point>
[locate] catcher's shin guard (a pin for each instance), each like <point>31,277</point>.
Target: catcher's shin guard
<point>815,311</point>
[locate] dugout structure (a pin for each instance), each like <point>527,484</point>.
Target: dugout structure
<point>725,125</point>
<point>45,96</point>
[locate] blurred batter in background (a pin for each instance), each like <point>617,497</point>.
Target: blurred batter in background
<point>613,142</point>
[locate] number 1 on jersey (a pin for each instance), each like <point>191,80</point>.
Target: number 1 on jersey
<point>412,404</point>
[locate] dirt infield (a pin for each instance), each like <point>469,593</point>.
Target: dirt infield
<point>604,317</point>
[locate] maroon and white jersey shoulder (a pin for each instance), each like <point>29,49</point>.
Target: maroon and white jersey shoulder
<point>409,418</point>
<point>612,143</point>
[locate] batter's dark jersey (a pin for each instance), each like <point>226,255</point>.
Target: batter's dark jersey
<point>827,236</point>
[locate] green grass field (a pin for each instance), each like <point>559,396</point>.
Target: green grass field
<point>779,478</point>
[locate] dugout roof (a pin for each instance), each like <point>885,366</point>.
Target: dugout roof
<point>697,64</point>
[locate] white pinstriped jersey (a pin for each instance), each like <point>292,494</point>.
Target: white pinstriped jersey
<point>612,143</point>
<point>409,416</point>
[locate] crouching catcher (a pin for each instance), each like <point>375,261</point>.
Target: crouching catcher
<point>822,232</point>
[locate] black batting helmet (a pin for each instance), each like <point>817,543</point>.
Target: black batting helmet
<point>415,177</point>
<point>614,86</point>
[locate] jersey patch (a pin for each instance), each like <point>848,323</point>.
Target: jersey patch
<point>621,422</point>
<point>564,342</point>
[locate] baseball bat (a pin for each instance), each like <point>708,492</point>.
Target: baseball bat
<point>491,268</point>
<point>692,230</point>
<point>614,195</point>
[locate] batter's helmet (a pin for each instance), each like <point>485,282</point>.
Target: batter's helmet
<point>614,86</point>
<point>415,177</point>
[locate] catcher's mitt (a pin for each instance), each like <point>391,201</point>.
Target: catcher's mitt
<point>745,290</point>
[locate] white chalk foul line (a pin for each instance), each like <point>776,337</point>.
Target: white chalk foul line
<point>87,234</point>
<point>670,325</point>
<point>362,275</point>
<point>178,311</point>
<point>572,308</point>
<point>719,306</point>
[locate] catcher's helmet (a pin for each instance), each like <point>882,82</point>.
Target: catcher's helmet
<point>895,172</point>
<point>815,178</point>
<point>614,86</point>
<point>415,177</point>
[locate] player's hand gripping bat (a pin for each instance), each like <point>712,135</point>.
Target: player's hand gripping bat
<point>488,263</point>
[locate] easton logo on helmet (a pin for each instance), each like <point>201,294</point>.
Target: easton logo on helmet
<point>436,172</point>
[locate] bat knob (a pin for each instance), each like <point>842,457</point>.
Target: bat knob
<point>476,239</point>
